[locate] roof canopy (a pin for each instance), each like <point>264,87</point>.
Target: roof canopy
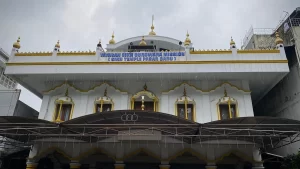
<point>266,132</point>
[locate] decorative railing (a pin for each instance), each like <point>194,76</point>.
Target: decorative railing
<point>256,31</point>
<point>7,82</point>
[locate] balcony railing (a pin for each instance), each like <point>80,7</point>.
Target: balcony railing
<point>7,82</point>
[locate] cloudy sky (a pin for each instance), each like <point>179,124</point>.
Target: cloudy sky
<point>79,24</point>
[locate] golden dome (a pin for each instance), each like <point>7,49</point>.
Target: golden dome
<point>17,44</point>
<point>187,41</point>
<point>232,42</point>
<point>278,40</point>
<point>143,43</point>
<point>112,41</point>
<point>152,31</point>
<point>57,45</point>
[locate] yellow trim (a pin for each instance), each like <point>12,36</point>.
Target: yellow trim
<point>148,94</point>
<point>220,102</point>
<point>188,150</point>
<point>209,90</point>
<point>139,151</point>
<point>34,54</point>
<point>236,153</point>
<point>186,103</point>
<point>258,51</point>
<point>229,102</point>
<point>31,166</point>
<point>224,51</point>
<point>90,152</point>
<point>211,52</point>
<point>76,53</point>
<point>101,102</point>
<point>48,151</point>
<point>62,102</point>
<point>82,90</point>
<point>147,63</point>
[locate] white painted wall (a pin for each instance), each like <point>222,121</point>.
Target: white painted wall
<point>206,101</point>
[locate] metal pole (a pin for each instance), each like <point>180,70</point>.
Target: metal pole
<point>293,33</point>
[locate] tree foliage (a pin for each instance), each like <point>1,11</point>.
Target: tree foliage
<point>291,161</point>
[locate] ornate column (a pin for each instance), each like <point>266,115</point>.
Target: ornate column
<point>75,165</point>
<point>164,166</point>
<point>31,165</point>
<point>211,166</point>
<point>257,164</point>
<point>119,166</point>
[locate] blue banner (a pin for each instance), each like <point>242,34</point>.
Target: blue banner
<point>141,56</point>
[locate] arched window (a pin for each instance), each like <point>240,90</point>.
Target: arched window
<point>64,107</point>
<point>185,107</point>
<point>227,107</point>
<point>103,104</point>
<point>144,100</point>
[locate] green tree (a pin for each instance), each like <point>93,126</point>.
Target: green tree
<point>291,161</point>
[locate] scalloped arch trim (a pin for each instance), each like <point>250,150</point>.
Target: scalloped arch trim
<point>92,151</point>
<point>207,91</point>
<point>49,151</point>
<point>145,92</point>
<point>136,152</point>
<point>83,90</point>
<point>236,153</point>
<point>188,150</point>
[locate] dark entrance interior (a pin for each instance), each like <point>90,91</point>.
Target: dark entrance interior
<point>142,160</point>
<point>233,161</point>
<point>149,105</point>
<point>187,160</point>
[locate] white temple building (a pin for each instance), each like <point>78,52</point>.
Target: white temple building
<point>150,102</point>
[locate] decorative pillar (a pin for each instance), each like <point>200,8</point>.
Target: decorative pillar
<point>164,166</point>
<point>31,165</point>
<point>75,165</point>
<point>211,166</point>
<point>257,164</point>
<point>119,166</point>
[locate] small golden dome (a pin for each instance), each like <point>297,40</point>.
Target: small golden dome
<point>152,31</point>
<point>232,42</point>
<point>187,41</point>
<point>17,44</point>
<point>57,45</point>
<point>112,41</point>
<point>143,43</point>
<point>278,40</point>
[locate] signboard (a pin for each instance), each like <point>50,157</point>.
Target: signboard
<point>141,56</point>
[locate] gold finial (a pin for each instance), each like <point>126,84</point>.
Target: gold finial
<point>67,92</point>
<point>225,92</point>
<point>187,41</point>
<point>105,92</point>
<point>145,87</point>
<point>143,43</point>
<point>278,40</point>
<point>184,91</point>
<point>17,44</point>
<point>152,27</point>
<point>232,42</point>
<point>112,41</point>
<point>57,45</point>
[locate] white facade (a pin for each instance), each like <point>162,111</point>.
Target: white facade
<point>205,97</point>
<point>206,78</point>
